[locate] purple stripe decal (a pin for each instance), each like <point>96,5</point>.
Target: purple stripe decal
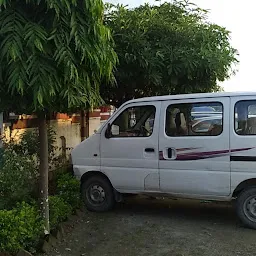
<point>209,154</point>
<point>184,149</point>
<point>240,149</point>
<point>202,155</point>
<point>161,155</point>
<point>198,157</point>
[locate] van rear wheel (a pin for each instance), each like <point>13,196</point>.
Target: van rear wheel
<point>246,207</point>
<point>97,194</point>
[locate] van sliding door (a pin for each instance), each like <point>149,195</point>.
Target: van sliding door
<point>194,147</point>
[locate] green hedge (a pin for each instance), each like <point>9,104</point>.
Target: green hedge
<point>20,228</point>
<point>59,210</point>
<point>18,178</point>
<point>68,188</point>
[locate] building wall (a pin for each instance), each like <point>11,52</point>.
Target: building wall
<point>64,125</point>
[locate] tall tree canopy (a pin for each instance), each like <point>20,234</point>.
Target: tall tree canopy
<point>54,54</point>
<point>167,49</point>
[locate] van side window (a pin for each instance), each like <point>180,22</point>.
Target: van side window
<point>134,122</point>
<point>245,117</point>
<point>194,119</point>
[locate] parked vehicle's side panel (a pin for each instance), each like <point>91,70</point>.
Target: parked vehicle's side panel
<point>195,158</point>
<point>86,156</point>
<point>129,157</point>
<point>243,139</point>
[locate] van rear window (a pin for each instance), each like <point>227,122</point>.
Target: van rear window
<point>245,117</point>
<point>194,119</point>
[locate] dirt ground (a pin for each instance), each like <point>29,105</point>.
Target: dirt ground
<point>141,227</point>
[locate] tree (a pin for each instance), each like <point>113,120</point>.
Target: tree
<point>54,55</point>
<point>166,49</point>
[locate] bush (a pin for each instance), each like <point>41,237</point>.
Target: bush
<point>19,167</point>
<point>20,228</point>
<point>29,145</point>
<point>18,178</point>
<point>59,210</point>
<point>68,188</point>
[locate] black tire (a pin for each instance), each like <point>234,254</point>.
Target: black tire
<point>98,185</point>
<point>245,206</point>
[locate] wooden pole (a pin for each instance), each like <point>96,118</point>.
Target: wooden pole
<point>82,125</point>
<point>63,149</point>
<point>44,169</point>
<point>87,121</point>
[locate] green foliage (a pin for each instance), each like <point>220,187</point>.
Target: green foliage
<point>20,228</point>
<point>29,145</point>
<point>68,188</point>
<point>166,49</point>
<point>18,178</point>
<point>54,54</point>
<point>59,210</point>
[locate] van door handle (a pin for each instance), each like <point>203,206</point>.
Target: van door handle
<point>149,150</point>
<point>170,154</point>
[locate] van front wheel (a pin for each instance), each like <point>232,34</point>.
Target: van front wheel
<point>98,194</point>
<point>246,207</point>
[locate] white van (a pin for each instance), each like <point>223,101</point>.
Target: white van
<point>200,146</point>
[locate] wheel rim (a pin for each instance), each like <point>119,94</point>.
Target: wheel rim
<point>95,194</point>
<point>250,208</point>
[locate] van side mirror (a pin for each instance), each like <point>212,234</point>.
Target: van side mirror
<point>112,130</point>
<point>108,131</point>
<point>115,130</point>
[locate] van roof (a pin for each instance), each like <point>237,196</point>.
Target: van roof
<point>193,96</point>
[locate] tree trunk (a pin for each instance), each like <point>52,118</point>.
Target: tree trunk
<point>82,125</point>
<point>63,149</point>
<point>44,169</point>
<point>87,122</point>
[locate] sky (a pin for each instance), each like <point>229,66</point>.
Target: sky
<point>239,18</point>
